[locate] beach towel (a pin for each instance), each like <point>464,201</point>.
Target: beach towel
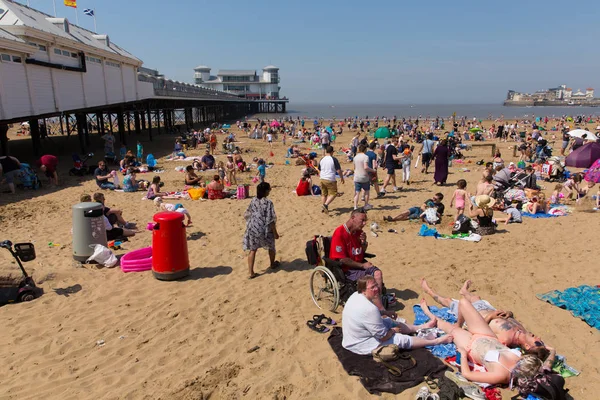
<point>538,216</point>
<point>582,301</point>
<point>470,237</point>
<point>440,350</point>
<point>375,377</point>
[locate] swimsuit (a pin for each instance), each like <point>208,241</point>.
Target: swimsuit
<point>460,201</point>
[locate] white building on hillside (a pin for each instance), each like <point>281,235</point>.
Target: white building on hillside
<point>49,65</point>
<point>243,83</point>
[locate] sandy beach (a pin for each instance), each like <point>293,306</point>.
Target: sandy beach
<point>189,339</point>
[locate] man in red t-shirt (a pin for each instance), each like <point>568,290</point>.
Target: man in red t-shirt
<point>348,245</point>
<point>48,164</point>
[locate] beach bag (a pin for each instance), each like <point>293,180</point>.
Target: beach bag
<point>196,193</point>
<point>28,177</point>
<point>102,255</point>
<point>391,352</point>
<point>243,192</point>
<point>546,385</point>
<point>462,225</point>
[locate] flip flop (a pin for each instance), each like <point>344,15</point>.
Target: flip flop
<point>253,276</point>
<point>313,325</point>
<point>322,319</point>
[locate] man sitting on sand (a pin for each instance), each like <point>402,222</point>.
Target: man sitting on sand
<point>508,330</point>
<point>348,245</point>
<point>416,212</point>
<point>364,329</point>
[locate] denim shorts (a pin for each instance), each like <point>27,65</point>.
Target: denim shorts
<point>414,213</point>
<point>361,185</point>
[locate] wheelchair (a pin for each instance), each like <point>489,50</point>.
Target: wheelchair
<point>328,284</point>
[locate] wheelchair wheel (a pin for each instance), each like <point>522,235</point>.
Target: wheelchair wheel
<point>324,289</point>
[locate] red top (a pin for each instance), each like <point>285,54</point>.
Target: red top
<point>303,188</point>
<point>49,161</point>
<point>346,245</point>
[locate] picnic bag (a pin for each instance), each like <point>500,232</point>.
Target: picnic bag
<point>545,385</point>
<point>391,352</point>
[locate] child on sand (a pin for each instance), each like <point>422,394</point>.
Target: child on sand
<point>158,202</point>
<point>140,151</point>
<point>459,198</point>
<point>556,195</point>
<point>262,170</point>
<point>230,170</point>
<point>153,190</point>
<point>221,172</point>
<point>514,215</point>
<point>431,214</point>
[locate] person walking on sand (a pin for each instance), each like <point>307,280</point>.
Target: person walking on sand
<point>390,161</point>
<point>261,228</point>
<point>330,166</point>
<point>427,152</point>
<point>459,198</point>
<point>361,177</point>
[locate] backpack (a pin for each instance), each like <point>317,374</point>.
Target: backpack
<point>316,249</point>
<point>28,177</point>
<point>462,225</point>
<point>545,385</point>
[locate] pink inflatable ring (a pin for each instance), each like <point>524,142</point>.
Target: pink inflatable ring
<point>137,260</point>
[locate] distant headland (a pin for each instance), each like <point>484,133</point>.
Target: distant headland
<point>559,96</point>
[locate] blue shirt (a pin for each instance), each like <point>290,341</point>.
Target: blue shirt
<point>372,157</point>
<point>262,170</point>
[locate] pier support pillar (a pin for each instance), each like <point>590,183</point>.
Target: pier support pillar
<point>158,121</point>
<point>4,140</point>
<point>149,123</point>
<point>100,118</point>
<point>136,121</point>
<point>34,131</point>
<point>80,118</point>
<point>121,124</point>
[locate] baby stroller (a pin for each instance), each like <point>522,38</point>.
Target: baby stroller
<point>18,287</point>
<point>28,177</point>
<point>79,165</point>
<point>555,170</point>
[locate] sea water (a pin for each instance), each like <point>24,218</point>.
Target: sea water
<point>478,111</point>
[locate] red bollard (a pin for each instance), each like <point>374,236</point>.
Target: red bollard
<point>170,259</point>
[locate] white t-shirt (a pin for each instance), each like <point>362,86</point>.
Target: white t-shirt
<point>325,138</point>
<point>363,326</point>
<point>269,137</point>
<point>329,165</point>
<point>360,174</point>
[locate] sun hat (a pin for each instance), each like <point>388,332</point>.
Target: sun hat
<point>483,200</point>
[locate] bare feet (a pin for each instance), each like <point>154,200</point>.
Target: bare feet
<point>465,289</point>
<point>425,287</point>
<point>427,311</point>
<point>429,324</point>
<point>445,339</point>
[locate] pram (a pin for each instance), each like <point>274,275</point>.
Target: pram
<point>79,165</point>
<point>555,169</point>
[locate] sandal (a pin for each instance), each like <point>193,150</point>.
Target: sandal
<point>313,325</point>
<point>275,265</point>
<point>322,319</point>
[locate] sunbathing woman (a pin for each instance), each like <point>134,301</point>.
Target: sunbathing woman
<point>507,329</point>
<point>538,204</point>
<point>481,345</point>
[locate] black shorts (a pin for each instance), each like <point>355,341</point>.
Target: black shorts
<point>427,158</point>
<point>114,233</point>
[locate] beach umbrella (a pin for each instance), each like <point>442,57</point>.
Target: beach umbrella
<point>275,124</point>
<point>382,133</point>
<point>584,156</point>
<point>475,130</point>
<point>580,133</point>
<point>593,173</point>
<point>328,129</point>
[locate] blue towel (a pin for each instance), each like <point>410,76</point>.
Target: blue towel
<point>440,350</point>
<point>530,215</point>
<point>582,302</point>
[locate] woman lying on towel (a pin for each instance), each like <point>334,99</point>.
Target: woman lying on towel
<point>480,345</point>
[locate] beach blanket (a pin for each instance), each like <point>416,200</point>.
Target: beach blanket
<point>470,237</point>
<point>440,350</point>
<point>582,301</point>
<point>375,377</point>
<point>538,215</point>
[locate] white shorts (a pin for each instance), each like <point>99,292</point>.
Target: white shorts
<point>480,305</point>
<point>400,340</point>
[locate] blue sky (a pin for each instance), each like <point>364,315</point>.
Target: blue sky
<point>336,52</point>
